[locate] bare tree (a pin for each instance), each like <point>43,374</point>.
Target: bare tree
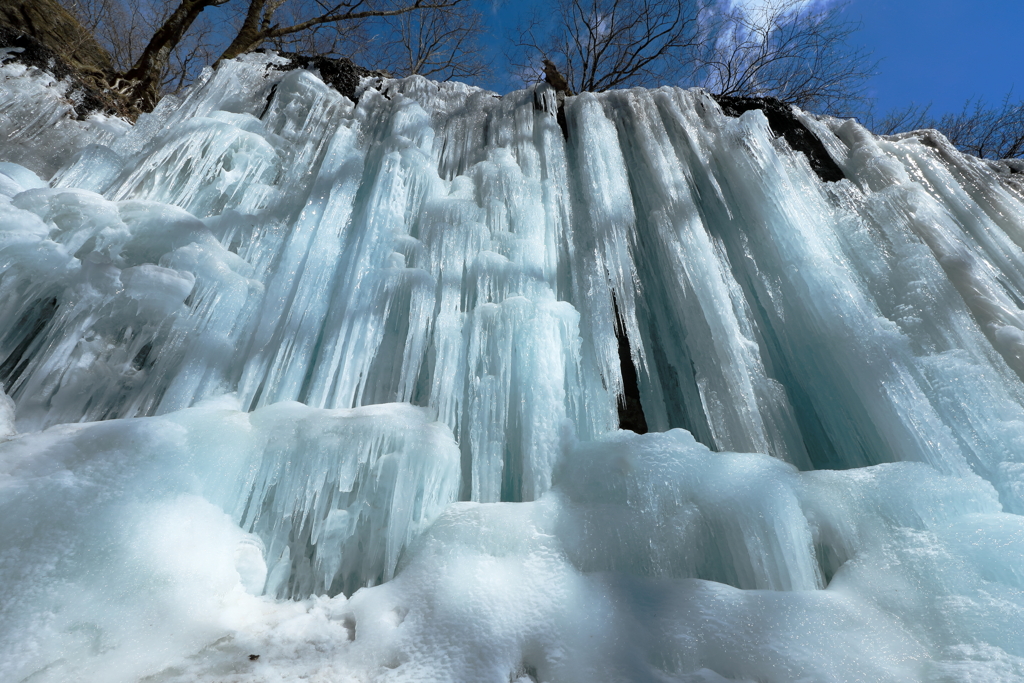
<point>910,117</point>
<point>795,51</point>
<point>602,44</point>
<point>117,25</point>
<point>354,39</point>
<point>125,27</point>
<point>158,45</point>
<point>147,72</point>
<point>443,44</point>
<point>259,25</point>
<point>197,50</point>
<point>990,132</point>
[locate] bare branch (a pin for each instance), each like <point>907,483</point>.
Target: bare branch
<point>442,44</point>
<point>257,28</point>
<point>602,44</point>
<point>990,132</point>
<point>126,28</point>
<point>911,117</point>
<point>788,49</point>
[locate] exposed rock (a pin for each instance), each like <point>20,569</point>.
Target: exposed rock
<point>1006,167</point>
<point>46,36</point>
<point>85,91</point>
<point>341,74</point>
<point>783,122</point>
<point>1010,172</point>
<point>555,78</point>
<point>57,30</point>
<point>558,83</point>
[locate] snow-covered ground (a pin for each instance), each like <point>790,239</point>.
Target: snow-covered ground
<point>258,344</point>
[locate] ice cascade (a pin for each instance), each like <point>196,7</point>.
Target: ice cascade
<point>340,384</point>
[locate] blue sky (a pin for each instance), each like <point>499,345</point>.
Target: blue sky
<point>938,51</point>
<point>943,51</point>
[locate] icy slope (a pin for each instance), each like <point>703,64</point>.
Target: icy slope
<point>460,295</point>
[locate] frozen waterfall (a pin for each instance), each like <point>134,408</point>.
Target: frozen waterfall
<point>341,385</point>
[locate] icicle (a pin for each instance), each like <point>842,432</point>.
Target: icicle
<point>296,328</point>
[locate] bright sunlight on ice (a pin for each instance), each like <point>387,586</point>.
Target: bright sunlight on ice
<point>301,389</point>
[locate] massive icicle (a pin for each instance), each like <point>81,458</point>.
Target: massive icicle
<point>448,282</point>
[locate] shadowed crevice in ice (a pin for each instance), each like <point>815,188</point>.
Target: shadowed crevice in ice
<point>22,336</point>
<point>631,412</point>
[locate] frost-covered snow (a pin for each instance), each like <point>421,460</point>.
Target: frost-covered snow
<point>256,347</point>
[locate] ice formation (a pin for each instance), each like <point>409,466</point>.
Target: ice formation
<point>339,384</point>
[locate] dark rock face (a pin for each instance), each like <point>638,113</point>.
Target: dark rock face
<point>341,74</point>
<point>57,30</point>
<point>783,122</point>
<point>555,78</point>
<point>84,92</point>
<point>631,411</point>
<point>49,38</point>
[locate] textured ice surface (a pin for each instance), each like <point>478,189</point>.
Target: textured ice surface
<point>133,543</point>
<point>652,558</point>
<point>37,123</point>
<point>254,347</point>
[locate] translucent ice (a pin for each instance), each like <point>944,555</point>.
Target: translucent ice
<point>338,384</point>
<point>652,558</point>
<point>134,529</point>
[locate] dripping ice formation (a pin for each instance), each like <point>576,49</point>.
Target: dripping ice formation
<point>338,384</point>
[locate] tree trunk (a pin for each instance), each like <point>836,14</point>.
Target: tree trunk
<point>250,35</point>
<point>148,70</point>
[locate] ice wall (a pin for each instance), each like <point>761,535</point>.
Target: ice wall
<point>297,328</point>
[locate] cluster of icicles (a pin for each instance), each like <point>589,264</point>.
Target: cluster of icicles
<point>332,320</point>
